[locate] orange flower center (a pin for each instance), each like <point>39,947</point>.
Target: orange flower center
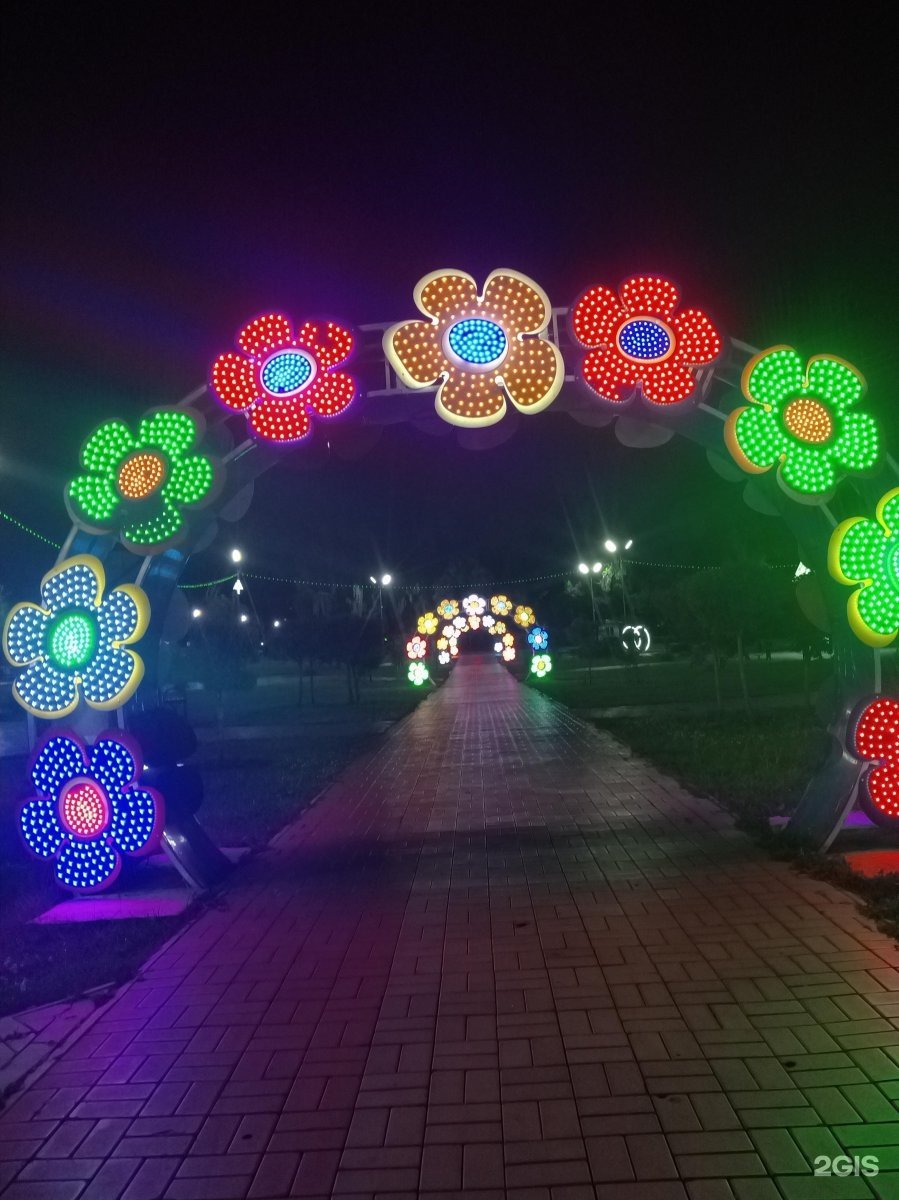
<point>140,475</point>
<point>808,420</point>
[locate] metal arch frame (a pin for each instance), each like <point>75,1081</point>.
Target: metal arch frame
<point>830,794</point>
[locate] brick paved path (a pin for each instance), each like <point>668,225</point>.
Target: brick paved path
<point>499,958</point>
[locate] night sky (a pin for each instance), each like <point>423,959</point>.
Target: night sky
<point>165,180</point>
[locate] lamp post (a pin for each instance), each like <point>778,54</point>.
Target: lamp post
<point>612,547</point>
<point>384,581</point>
<point>590,572</point>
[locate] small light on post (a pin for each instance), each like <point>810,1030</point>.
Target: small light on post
<point>196,613</point>
<point>628,543</point>
<point>611,546</point>
<point>386,580</point>
<point>583,568</point>
<point>596,568</point>
<point>276,624</point>
<point>244,618</point>
<point>236,555</point>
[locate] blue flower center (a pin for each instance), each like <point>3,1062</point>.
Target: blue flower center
<point>644,339</point>
<point>477,341</point>
<point>287,372</point>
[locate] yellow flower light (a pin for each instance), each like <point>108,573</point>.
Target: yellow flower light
<point>443,643</point>
<point>447,609</point>
<point>508,640</point>
<point>479,349</point>
<point>499,628</point>
<point>501,605</point>
<point>524,616</point>
<point>427,623</point>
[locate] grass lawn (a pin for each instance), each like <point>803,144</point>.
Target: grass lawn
<point>654,681</point>
<point>755,767</point>
<point>253,787</point>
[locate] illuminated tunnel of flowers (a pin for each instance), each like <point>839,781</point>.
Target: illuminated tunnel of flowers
<point>793,430</point>
<point>438,632</point>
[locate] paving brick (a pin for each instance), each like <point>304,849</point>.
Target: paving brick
<point>498,958</point>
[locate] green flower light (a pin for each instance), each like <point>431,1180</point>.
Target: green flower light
<point>801,418</point>
<point>866,552</point>
<point>71,640</point>
<point>418,673</point>
<point>140,484</point>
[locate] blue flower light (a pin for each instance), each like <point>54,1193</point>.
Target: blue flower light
<point>286,372</point>
<point>645,340</point>
<point>89,809</point>
<point>477,341</point>
<point>539,638</point>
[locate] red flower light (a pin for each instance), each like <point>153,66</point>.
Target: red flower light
<point>637,340</point>
<point>280,379</point>
<point>876,737</point>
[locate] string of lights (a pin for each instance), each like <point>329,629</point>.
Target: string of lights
<point>27,529</point>
<point>479,583</point>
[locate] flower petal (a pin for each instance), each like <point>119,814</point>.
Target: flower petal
<point>234,381</point>
<point>76,583</point>
<point>330,394</point>
<point>878,606</point>
<point>265,333</point>
<point>93,497</point>
<point>23,636</point>
<point>858,444</point>
<point>649,295</point>
<point>112,764</point>
<point>59,759</point>
<point>443,294</point>
<point>666,382</point>
<point>281,420</point>
<point>595,316</point>
<point>888,511</point>
<point>329,343</point>
<point>122,617</point>
<point>111,678</point>
<point>882,788</point>
<point>516,302</point>
<point>808,471</point>
<point>40,827</point>
<point>611,376</point>
<point>774,376</point>
<point>415,353</point>
<point>872,729</point>
<point>755,438</point>
<point>831,378</point>
<point>135,820</point>
<point>856,550</point>
<point>533,374</point>
<point>471,399</point>
<point>173,432</point>
<point>87,866</point>
<point>149,531</point>
<point>190,480</point>
<point>698,341</point>
<point>106,447</point>
<point>42,688</point>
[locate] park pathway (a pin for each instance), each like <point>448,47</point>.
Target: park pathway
<point>499,958</point>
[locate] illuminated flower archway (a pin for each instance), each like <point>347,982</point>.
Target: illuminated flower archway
<point>468,615</point>
<point>639,358</point>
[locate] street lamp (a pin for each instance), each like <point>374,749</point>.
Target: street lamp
<point>236,555</point>
<point>612,548</point>
<point>197,613</point>
<point>385,581</point>
<point>244,618</point>
<point>276,624</point>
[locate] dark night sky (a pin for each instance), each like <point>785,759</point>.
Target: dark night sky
<point>166,179</point>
